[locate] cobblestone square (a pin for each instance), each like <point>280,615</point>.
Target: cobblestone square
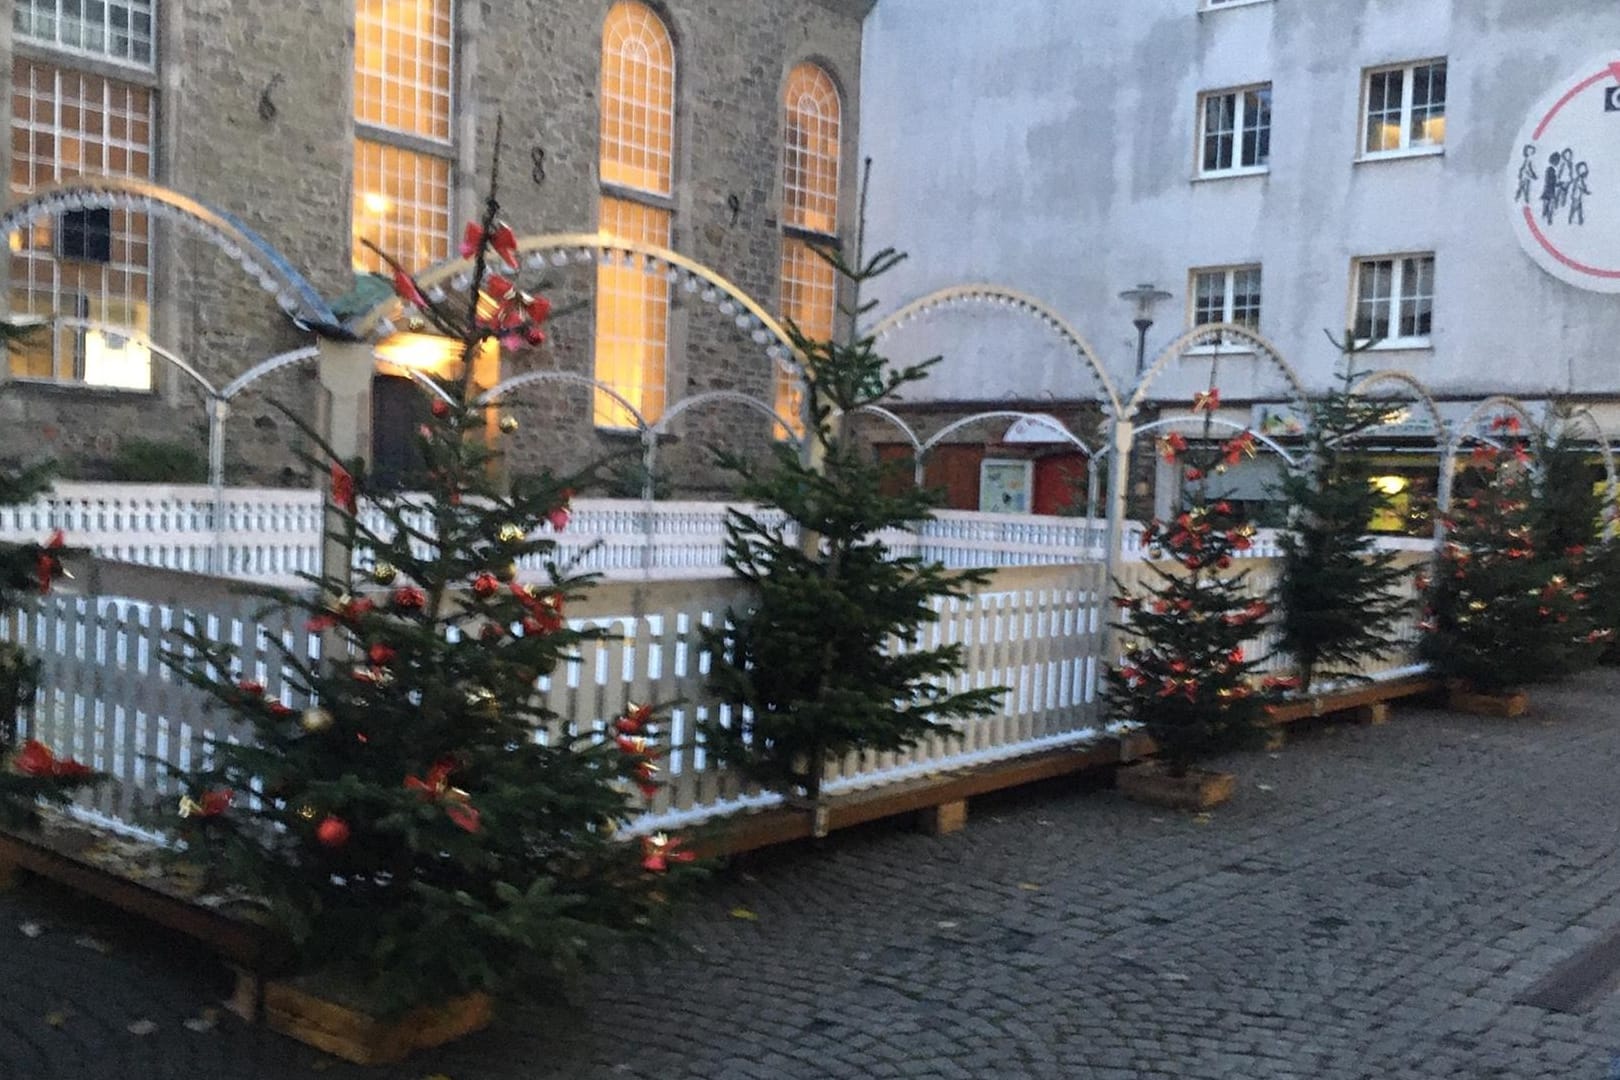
<point>1370,906</point>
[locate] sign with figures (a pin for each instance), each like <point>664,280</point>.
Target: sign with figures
<point>1564,178</point>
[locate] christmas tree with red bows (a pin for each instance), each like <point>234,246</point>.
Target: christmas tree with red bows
<point>30,772</point>
<point>1338,595</point>
<point>1189,673</point>
<point>1502,611</point>
<point>419,822</point>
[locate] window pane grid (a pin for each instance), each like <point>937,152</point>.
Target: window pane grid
<point>402,68</point>
<point>638,100</point>
<point>811,149</point>
<point>1395,298</point>
<point>810,299</point>
<point>401,204</point>
<point>1406,108</point>
<point>115,29</point>
<point>66,124</point>
<point>1236,130</point>
<point>632,318</point>
<point>1227,296</point>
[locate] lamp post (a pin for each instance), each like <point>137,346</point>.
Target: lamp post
<point>1146,298</point>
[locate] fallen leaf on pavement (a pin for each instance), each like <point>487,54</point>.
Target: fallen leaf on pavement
<point>85,941</point>
<point>142,1027</point>
<point>56,1017</point>
<point>31,929</point>
<point>1029,886</point>
<point>744,914</point>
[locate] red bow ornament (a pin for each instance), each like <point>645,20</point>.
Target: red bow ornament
<point>659,850</point>
<point>436,788</point>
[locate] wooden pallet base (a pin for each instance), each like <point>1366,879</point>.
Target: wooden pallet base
<point>1508,704</point>
<point>1150,782</point>
<point>350,1033</point>
<point>1354,701</point>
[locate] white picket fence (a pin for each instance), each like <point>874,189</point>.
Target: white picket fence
<point>272,535</point>
<point>108,700</point>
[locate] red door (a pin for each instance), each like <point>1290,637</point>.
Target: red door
<point>1060,483</point>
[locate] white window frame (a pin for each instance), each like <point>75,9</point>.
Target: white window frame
<point>1239,94</point>
<point>1405,148</point>
<point>1227,5</point>
<point>132,8</point>
<point>1397,296</point>
<point>1229,282</point>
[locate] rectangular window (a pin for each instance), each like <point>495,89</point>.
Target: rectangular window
<point>94,265</point>
<point>401,204</point>
<point>632,319</point>
<point>1404,108</point>
<point>1226,295</point>
<point>1395,299</point>
<point>810,299</point>
<point>402,66</point>
<point>119,30</point>
<point>1235,131</point>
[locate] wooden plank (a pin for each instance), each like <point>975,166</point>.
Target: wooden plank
<point>1353,697</point>
<point>243,943</point>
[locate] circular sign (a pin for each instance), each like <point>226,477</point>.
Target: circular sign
<point>1564,179</point>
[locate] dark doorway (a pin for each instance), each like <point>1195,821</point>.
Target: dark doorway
<point>398,407</point>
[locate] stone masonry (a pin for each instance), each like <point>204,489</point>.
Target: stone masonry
<point>255,118</point>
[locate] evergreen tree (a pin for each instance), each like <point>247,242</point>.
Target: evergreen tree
<point>1566,513</point>
<point>426,827</point>
<point>1338,596</point>
<point>828,659</point>
<point>30,773</point>
<point>1500,613</point>
<point>1189,673</point>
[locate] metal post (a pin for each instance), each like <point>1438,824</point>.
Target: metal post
<point>1124,436</point>
<point>1142,327</point>
<point>649,454</point>
<point>218,410</point>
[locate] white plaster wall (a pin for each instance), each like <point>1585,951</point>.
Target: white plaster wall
<point>1049,145</point>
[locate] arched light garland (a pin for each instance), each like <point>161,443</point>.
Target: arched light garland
<point>562,251</point>
<point>257,258</point>
<point>1011,301</point>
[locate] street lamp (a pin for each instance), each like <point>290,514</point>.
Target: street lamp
<point>1145,297</point>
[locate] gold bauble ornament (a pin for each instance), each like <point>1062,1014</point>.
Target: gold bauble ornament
<point>481,699</point>
<point>315,720</point>
<point>307,813</point>
<point>512,534</point>
<point>509,572</point>
<point>509,424</point>
<point>384,573</point>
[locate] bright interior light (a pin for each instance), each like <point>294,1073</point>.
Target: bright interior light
<point>419,352</point>
<point>111,360</point>
<point>1390,485</point>
<point>376,203</point>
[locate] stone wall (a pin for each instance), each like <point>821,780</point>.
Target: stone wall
<point>256,119</point>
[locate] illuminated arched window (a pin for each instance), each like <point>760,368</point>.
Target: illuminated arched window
<point>811,143</point>
<point>637,166</point>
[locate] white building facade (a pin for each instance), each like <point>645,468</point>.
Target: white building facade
<point>1292,165</point>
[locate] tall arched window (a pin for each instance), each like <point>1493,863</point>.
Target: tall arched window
<point>637,167</point>
<point>811,143</point>
<point>403,147</point>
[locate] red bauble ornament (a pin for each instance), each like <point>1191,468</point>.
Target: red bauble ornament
<point>441,408</point>
<point>333,832</point>
<point>486,585</point>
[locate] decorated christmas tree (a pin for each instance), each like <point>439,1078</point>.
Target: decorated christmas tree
<point>1189,676</point>
<point>1566,522</point>
<point>1502,612</point>
<point>829,657</point>
<point>1338,595</point>
<point>418,820</point>
<point>30,773</point>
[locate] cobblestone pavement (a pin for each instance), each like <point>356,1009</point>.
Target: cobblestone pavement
<point>1370,906</point>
